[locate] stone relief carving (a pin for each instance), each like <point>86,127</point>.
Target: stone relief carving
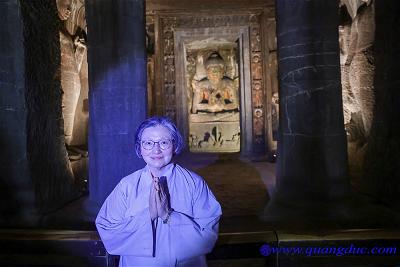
<point>214,99</point>
<point>215,137</point>
<point>169,70</point>
<point>203,99</point>
<point>169,67</point>
<point>273,78</point>
<point>257,81</point>
<point>213,21</point>
<point>150,51</point>
<point>256,66</point>
<point>215,92</point>
<point>74,77</point>
<point>191,62</point>
<point>258,98</point>
<point>255,39</point>
<point>357,65</point>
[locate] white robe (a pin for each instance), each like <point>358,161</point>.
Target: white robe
<point>125,227</point>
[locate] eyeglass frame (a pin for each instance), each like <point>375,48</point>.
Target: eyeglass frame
<point>158,142</point>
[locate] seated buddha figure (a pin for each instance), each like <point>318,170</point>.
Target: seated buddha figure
<point>215,92</point>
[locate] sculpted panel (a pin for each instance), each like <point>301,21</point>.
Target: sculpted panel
<point>215,92</point>
<point>213,95</point>
<point>74,82</point>
<point>357,63</point>
<point>203,91</point>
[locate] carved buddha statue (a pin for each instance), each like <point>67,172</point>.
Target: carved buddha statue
<point>216,92</point>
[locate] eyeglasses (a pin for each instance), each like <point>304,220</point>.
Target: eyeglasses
<point>164,144</point>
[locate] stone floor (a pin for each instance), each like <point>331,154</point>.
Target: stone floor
<point>243,187</point>
<point>246,191</point>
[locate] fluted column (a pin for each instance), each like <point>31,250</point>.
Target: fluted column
<point>117,90</point>
<point>312,157</point>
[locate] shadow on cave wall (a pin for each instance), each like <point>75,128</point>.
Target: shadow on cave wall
<point>9,204</point>
<point>381,168</point>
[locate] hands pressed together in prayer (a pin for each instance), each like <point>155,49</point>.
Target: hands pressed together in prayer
<point>159,200</point>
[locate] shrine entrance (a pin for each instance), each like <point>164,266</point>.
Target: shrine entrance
<point>214,80</point>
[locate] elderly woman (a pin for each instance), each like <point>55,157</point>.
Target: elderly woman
<point>163,214</point>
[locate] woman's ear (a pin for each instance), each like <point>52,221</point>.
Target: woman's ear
<point>138,152</point>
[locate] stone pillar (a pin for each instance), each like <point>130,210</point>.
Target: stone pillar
<point>48,162</point>
<point>117,90</point>
<point>16,189</point>
<point>312,157</point>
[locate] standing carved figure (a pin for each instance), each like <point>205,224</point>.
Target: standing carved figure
<point>357,61</point>
<point>73,65</point>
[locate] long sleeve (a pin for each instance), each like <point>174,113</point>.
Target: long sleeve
<point>121,233</point>
<point>195,236</point>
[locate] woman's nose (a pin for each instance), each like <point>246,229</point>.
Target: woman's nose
<point>157,148</point>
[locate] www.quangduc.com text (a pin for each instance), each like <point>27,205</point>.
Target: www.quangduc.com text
<point>350,250</point>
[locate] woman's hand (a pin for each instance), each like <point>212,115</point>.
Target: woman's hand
<point>153,201</point>
<point>162,198</point>
<point>159,205</point>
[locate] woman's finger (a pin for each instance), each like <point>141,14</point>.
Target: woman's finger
<point>153,203</point>
<point>157,186</point>
<point>162,193</point>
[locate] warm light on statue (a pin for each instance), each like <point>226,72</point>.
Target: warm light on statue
<point>214,114</point>
<point>216,92</point>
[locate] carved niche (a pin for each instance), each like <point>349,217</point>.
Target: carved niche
<point>179,63</point>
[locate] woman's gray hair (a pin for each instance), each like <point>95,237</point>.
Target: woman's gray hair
<point>166,122</point>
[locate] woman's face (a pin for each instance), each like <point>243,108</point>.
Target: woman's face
<point>156,157</point>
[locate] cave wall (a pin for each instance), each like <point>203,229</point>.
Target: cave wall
<point>369,39</point>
